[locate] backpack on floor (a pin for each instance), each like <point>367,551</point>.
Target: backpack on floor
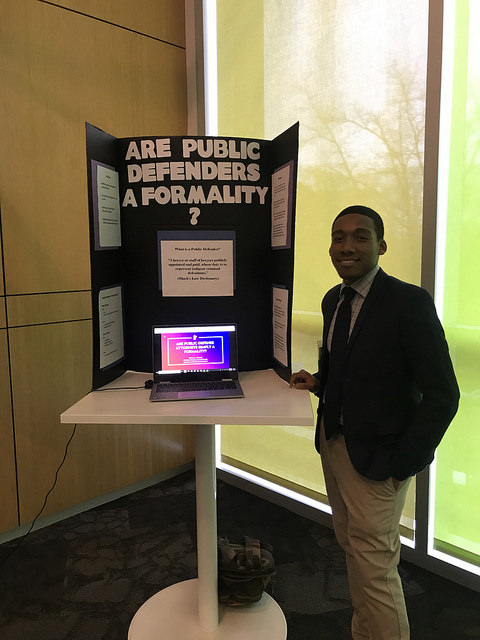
<point>244,571</point>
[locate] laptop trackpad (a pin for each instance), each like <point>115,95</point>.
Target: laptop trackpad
<point>195,395</point>
<point>165,395</point>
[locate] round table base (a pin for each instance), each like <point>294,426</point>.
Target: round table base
<point>172,614</point>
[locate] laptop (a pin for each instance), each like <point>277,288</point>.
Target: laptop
<point>195,362</point>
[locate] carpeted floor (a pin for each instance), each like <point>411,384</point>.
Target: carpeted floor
<point>84,578</point>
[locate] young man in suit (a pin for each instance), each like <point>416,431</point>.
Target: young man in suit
<point>387,394</point>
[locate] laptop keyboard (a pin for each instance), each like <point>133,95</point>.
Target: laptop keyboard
<point>212,385</point>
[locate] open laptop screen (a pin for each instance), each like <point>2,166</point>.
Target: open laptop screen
<point>194,351</point>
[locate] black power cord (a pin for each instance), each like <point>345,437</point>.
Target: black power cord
<point>17,546</point>
<point>148,385</point>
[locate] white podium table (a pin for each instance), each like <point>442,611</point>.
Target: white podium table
<point>189,610</point>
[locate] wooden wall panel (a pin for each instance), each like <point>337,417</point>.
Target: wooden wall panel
<point>1,273</point>
<point>3,319</point>
<point>48,308</point>
<point>62,66</point>
<point>163,19</point>
<point>102,458</point>
<point>8,512</point>
<point>61,69</point>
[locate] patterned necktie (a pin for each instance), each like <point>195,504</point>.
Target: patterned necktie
<point>338,348</point>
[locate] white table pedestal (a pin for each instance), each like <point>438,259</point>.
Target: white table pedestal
<point>189,610</point>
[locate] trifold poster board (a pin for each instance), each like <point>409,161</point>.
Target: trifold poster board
<point>188,229</point>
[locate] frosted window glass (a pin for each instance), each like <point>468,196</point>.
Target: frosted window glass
<point>456,529</point>
<point>353,73</point>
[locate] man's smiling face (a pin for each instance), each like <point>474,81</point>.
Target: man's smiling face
<point>355,247</point>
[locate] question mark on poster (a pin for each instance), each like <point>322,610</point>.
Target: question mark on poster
<point>194,212</point>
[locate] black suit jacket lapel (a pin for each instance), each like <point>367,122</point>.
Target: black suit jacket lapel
<point>330,307</point>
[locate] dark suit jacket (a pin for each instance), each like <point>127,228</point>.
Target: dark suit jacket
<point>399,388</point>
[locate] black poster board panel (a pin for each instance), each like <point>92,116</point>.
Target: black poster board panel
<point>232,195</point>
<point>248,220</point>
<point>107,266</point>
<point>284,150</point>
<point>249,307</point>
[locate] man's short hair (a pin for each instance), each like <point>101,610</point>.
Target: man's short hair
<point>365,211</point>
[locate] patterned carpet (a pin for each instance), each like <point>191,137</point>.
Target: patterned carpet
<point>84,578</point>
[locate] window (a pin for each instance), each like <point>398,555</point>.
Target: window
<point>353,73</point>
<point>454,533</point>
<point>356,82</point>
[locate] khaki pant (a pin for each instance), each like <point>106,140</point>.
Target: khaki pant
<point>366,515</point>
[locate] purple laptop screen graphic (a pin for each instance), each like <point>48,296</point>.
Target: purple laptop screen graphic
<point>190,351</point>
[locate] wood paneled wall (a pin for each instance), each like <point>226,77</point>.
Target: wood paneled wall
<point>119,65</point>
